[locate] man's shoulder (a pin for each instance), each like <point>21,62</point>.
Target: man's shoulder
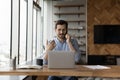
<point>73,39</point>
<point>54,38</point>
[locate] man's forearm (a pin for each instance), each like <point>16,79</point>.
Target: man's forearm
<point>46,56</point>
<point>71,46</point>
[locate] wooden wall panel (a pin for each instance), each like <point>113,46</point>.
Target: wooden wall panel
<point>102,12</point>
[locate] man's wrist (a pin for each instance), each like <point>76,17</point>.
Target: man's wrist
<point>68,41</point>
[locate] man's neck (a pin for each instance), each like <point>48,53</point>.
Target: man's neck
<point>61,39</point>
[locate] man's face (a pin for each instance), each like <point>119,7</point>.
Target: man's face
<point>61,31</point>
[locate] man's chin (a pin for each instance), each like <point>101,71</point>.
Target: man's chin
<point>61,37</point>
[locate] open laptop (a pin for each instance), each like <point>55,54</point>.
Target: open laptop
<point>61,59</point>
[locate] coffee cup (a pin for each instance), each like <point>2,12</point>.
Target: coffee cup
<point>39,62</point>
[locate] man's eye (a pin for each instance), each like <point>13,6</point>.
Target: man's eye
<point>59,30</point>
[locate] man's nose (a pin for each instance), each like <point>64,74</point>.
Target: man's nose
<point>61,31</point>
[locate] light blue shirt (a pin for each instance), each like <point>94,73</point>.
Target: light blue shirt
<point>63,46</point>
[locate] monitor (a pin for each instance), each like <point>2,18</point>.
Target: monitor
<point>107,34</point>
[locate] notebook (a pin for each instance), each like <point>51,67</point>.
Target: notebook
<point>61,59</point>
<point>30,67</point>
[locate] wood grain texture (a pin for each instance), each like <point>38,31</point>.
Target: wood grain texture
<point>77,71</point>
<point>102,12</point>
<point>80,70</point>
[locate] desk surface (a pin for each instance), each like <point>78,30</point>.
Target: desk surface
<point>114,71</point>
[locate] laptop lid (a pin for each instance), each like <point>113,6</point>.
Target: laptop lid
<point>61,59</point>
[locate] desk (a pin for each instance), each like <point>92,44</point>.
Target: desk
<point>78,71</point>
<point>114,72</point>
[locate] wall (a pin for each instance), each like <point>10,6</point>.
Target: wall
<point>76,22</point>
<point>102,12</point>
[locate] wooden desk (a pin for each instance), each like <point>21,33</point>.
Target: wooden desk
<point>114,72</point>
<point>78,71</point>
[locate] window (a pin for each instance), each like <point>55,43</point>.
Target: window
<point>30,31</point>
<point>21,26</point>
<point>5,18</point>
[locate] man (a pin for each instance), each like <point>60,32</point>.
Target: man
<point>62,42</point>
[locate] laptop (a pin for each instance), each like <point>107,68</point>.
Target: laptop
<point>61,59</point>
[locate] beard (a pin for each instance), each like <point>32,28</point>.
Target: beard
<point>61,36</point>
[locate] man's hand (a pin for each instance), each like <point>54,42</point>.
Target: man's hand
<point>50,46</point>
<point>68,40</point>
<point>68,37</point>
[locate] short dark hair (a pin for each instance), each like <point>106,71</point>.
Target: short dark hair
<point>61,22</point>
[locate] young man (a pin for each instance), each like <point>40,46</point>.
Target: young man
<point>62,42</point>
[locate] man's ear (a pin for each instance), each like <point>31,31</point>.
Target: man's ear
<point>66,31</point>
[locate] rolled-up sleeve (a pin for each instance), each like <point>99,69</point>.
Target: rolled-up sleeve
<point>78,53</point>
<point>45,62</point>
